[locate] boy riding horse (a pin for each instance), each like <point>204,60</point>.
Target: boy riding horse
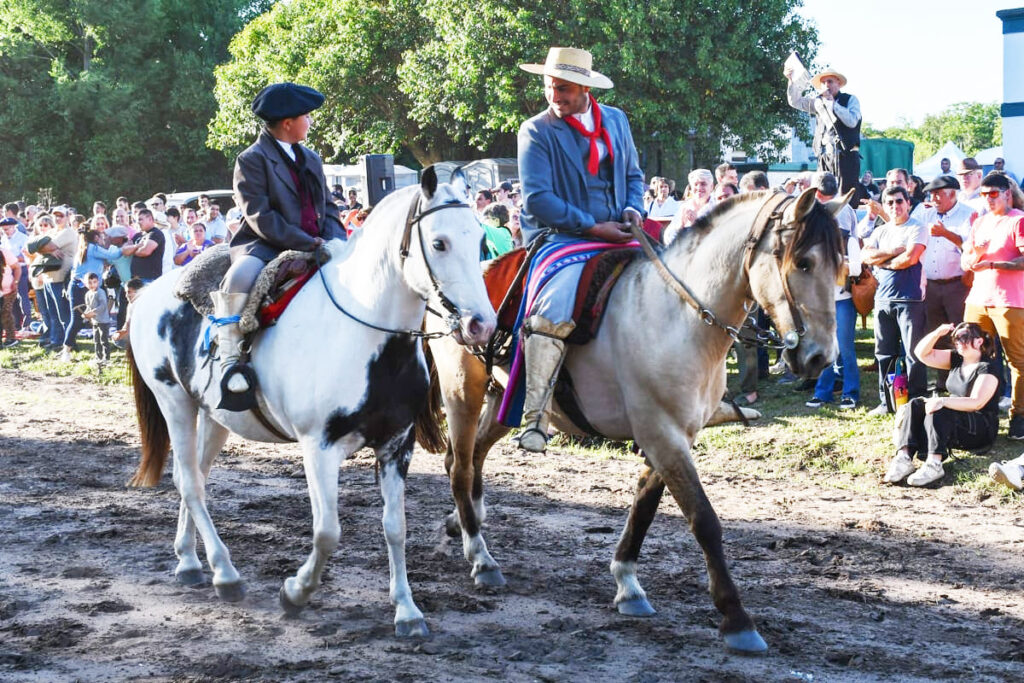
<point>581,181</point>
<point>280,187</point>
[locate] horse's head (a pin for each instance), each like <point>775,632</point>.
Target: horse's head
<point>444,242</point>
<point>793,273</point>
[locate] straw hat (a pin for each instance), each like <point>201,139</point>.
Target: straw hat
<point>818,77</point>
<point>570,64</point>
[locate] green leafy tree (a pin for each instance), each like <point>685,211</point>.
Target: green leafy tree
<point>440,77</point>
<point>101,98</point>
<point>973,126</point>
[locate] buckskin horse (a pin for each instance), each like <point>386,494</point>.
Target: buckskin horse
<point>655,373</point>
<point>342,369</point>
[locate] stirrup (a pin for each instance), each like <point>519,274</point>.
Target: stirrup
<point>239,401</point>
<point>526,433</point>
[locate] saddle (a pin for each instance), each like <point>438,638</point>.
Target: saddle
<point>276,286</point>
<point>505,282</point>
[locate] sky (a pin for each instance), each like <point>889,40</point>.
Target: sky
<point>864,40</point>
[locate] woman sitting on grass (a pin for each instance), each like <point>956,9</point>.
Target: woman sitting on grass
<point>968,418</point>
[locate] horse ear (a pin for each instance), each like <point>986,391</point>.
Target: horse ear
<point>428,182</point>
<point>460,182</point>
<point>803,205</point>
<point>836,205</point>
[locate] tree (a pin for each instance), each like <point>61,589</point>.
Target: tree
<point>973,126</point>
<point>440,77</point>
<point>103,98</point>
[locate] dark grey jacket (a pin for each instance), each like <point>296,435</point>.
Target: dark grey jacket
<point>269,200</point>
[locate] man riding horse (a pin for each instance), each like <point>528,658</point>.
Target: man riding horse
<point>279,185</point>
<point>581,181</point>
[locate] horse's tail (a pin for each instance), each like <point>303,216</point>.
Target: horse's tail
<point>156,442</point>
<point>430,428</point>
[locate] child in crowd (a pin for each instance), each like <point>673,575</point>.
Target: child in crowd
<point>97,311</point>
<point>131,290</point>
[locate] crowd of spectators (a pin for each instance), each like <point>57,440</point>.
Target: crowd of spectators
<point>65,271</point>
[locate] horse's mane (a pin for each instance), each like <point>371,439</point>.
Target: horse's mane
<point>819,227</point>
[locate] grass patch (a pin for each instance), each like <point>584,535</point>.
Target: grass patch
<point>28,356</point>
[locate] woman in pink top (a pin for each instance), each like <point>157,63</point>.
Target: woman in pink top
<point>994,252</point>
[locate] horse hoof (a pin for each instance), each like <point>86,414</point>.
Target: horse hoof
<point>231,592</point>
<point>291,610</point>
<point>747,642</point>
<point>414,628</point>
<point>491,578</point>
<point>190,577</point>
<point>635,607</point>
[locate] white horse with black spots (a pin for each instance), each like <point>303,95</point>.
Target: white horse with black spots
<point>342,369</point>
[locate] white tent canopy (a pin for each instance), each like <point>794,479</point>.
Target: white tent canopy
<point>987,157</point>
<point>930,167</point>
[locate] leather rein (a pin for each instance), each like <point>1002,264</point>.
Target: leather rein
<point>768,220</point>
<point>451,315</point>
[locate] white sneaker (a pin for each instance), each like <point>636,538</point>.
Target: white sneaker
<point>1009,472</point>
<point>65,356</point>
<point>928,473</point>
<point>901,466</point>
<point>1004,404</point>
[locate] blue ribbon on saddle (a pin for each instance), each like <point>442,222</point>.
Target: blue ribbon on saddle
<point>218,322</point>
<point>549,259</point>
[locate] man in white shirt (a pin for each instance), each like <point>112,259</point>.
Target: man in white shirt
<point>216,228</point>
<point>949,224</point>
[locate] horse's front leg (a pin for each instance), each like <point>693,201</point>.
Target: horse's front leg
<point>464,383</point>
<point>394,460</point>
<point>211,438</point>
<point>673,463</point>
<point>630,598</point>
<point>321,466</point>
<point>190,479</point>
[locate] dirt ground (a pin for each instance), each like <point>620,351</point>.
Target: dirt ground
<point>902,585</point>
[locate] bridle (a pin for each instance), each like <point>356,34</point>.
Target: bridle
<point>414,218</point>
<point>768,220</point>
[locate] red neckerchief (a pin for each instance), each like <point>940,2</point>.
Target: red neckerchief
<point>599,132</point>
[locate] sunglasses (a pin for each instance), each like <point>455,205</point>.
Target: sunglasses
<point>991,194</point>
<point>894,202</point>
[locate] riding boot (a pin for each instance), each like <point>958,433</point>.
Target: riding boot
<point>226,305</point>
<point>544,348</point>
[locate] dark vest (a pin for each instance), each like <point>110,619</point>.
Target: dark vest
<point>309,222</point>
<point>849,136</point>
<point>600,187</point>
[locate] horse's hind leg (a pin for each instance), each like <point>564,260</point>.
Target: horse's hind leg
<point>394,458</point>
<point>630,598</point>
<point>321,465</point>
<point>673,463</point>
<point>211,438</point>
<point>190,479</point>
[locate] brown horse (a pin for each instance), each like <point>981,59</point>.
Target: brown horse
<point>655,373</point>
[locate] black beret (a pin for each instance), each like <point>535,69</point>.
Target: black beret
<point>942,182</point>
<point>285,101</point>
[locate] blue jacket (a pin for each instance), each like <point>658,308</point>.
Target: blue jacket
<point>553,175</point>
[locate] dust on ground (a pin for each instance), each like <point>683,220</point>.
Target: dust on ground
<point>905,584</point>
